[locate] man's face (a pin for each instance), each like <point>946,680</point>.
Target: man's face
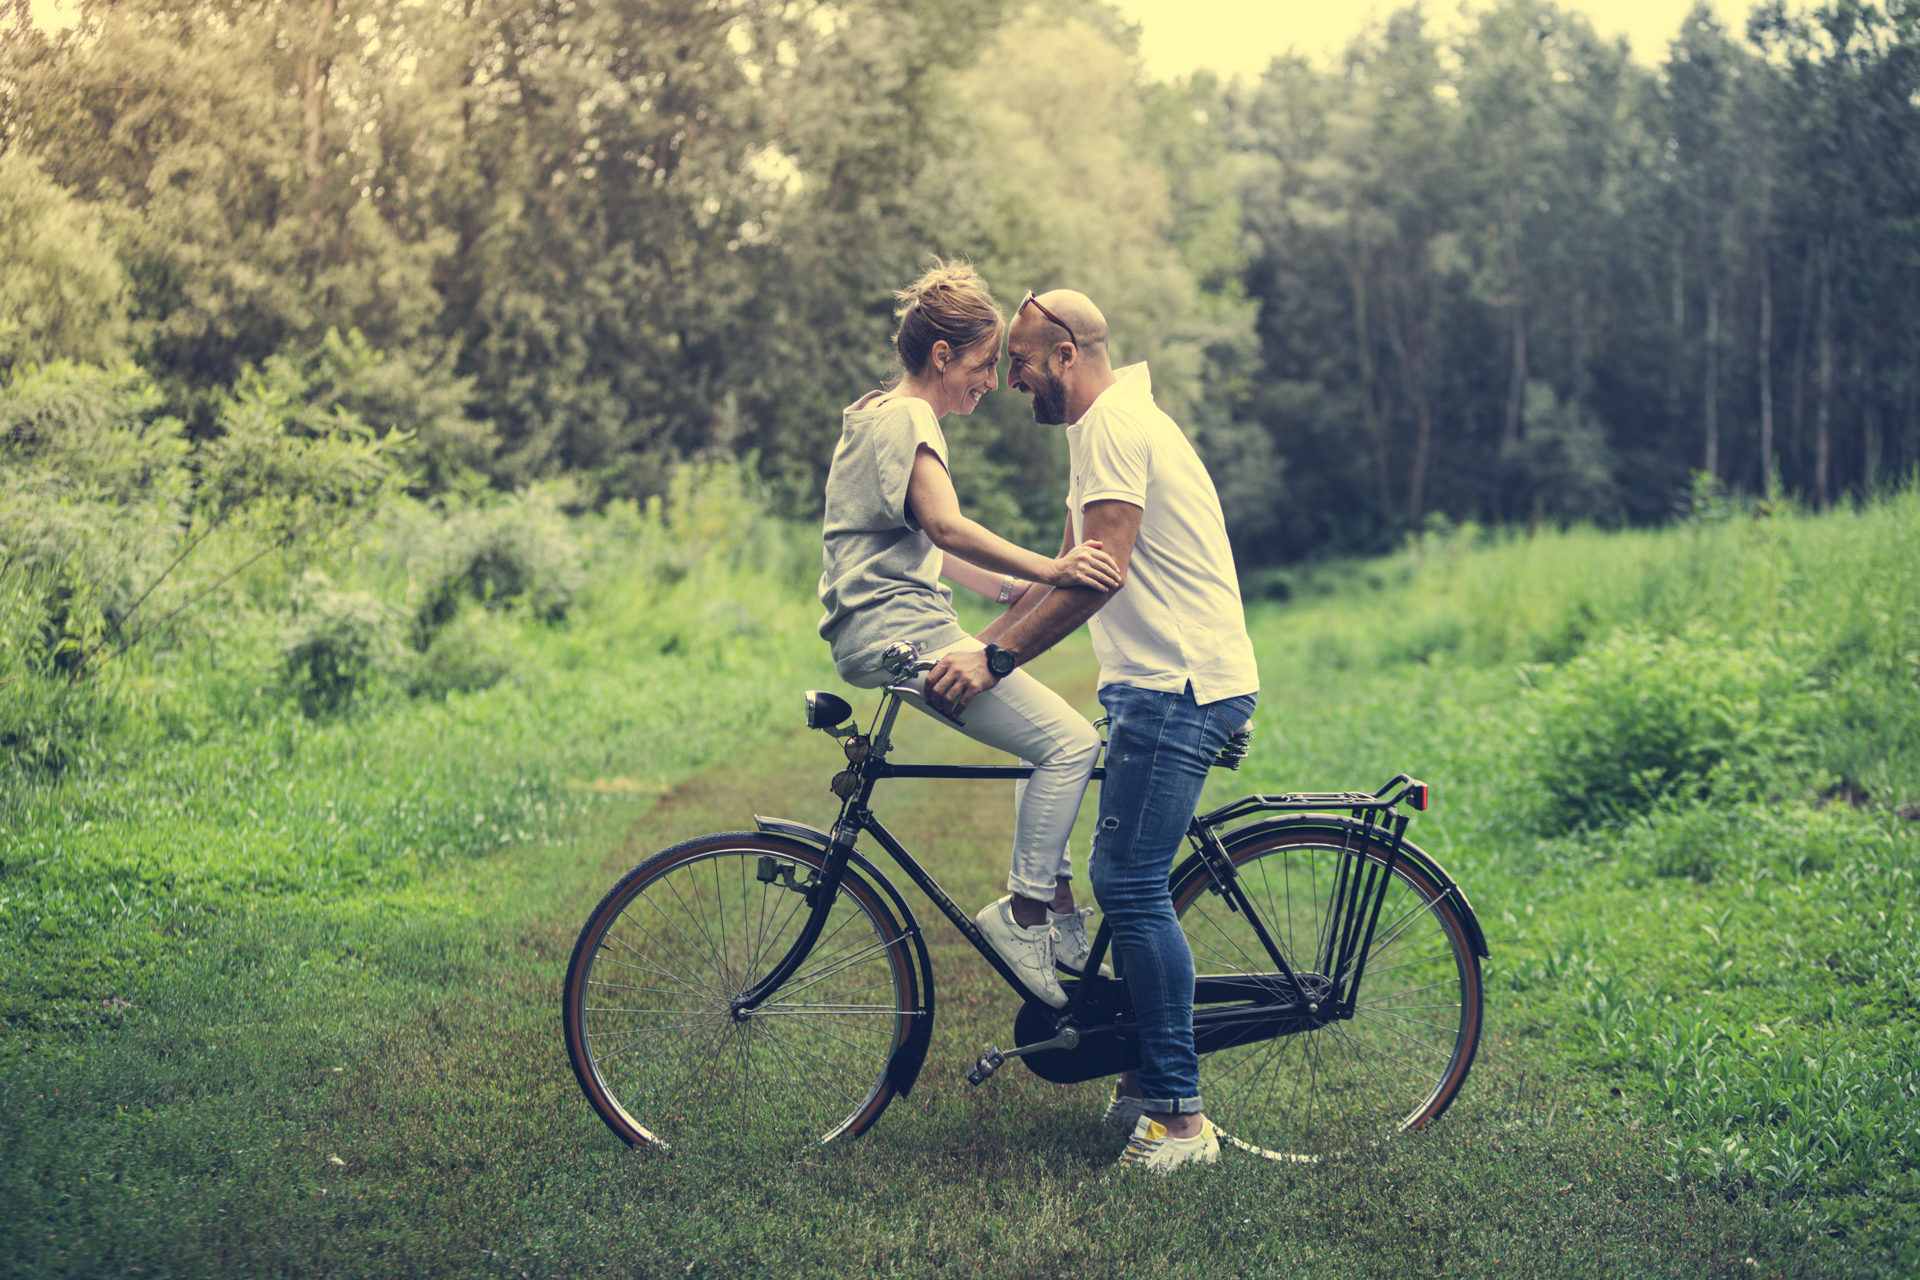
<point>1031,372</point>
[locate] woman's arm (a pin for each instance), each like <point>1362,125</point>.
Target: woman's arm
<point>935,505</point>
<point>1003,588</point>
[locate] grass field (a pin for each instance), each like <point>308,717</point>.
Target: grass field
<point>285,1002</point>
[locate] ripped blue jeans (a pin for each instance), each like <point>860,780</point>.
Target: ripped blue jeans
<point>1159,748</point>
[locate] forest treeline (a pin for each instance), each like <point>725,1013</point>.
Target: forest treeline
<point>1493,271</point>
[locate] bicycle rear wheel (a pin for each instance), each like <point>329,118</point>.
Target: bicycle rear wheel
<point>1391,1068</point>
<point>655,1039</point>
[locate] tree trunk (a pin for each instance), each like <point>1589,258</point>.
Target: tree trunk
<point>1580,378</point>
<point>314,71</point>
<point>1766,369</point>
<point>1796,446</point>
<point>1823,407</point>
<point>1864,381</point>
<point>1910,454</point>
<point>469,218</point>
<point>1677,312</point>
<point>313,90</point>
<point>1510,423</point>
<point>1710,395</point>
<point>1406,330</point>
<point>1369,377</point>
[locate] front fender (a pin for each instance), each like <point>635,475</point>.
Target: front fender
<point>904,1068</point>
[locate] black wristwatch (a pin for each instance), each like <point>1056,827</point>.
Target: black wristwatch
<point>1000,661</point>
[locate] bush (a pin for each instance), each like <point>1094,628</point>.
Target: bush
<point>93,493</point>
<point>1639,717</point>
<point>414,390</point>
<point>519,552</point>
<point>1564,462</point>
<point>63,294</point>
<point>46,722</point>
<point>474,651</point>
<point>337,644</point>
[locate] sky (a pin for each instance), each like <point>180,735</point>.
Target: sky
<point>1238,37</point>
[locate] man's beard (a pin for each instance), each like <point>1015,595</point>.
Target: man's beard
<point>1050,403</point>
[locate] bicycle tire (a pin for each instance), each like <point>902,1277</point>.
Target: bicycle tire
<point>655,1043</point>
<point>1400,1061</point>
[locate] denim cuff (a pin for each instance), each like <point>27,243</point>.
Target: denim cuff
<point>1171,1106</point>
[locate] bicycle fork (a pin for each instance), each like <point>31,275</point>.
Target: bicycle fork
<point>819,891</point>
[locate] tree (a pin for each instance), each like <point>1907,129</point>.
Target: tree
<point>237,155</point>
<point>62,295</point>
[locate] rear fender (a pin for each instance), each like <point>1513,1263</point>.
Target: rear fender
<point>904,1068</point>
<point>1343,828</point>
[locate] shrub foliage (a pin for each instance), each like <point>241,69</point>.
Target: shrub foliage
<point>1640,717</point>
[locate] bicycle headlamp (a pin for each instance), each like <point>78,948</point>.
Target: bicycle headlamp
<point>826,710</point>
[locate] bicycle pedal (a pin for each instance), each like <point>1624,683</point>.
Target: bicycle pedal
<point>990,1061</point>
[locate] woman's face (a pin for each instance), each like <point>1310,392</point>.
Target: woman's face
<point>971,373</point>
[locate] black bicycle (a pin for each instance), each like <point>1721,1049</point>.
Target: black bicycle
<point>774,986</point>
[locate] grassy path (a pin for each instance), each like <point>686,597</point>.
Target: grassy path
<point>327,1096</point>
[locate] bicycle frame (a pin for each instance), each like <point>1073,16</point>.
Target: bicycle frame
<point>1229,1010</point>
<point>1329,873</point>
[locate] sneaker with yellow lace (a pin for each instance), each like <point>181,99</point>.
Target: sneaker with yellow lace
<point>1151,1147</point>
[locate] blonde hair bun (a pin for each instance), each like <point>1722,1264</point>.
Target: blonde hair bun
<point>948,303</point>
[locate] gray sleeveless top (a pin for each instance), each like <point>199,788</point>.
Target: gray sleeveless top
<point>882,577</point>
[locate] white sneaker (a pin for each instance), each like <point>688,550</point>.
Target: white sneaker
<point>1029,952</point>
<point>1071,946</point>
<point>1150,1148</point>
<point>1123,1113</point>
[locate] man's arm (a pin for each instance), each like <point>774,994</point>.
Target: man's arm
<point>1060,612</point>
<point>1024,603</point>
<point>1033,630</point>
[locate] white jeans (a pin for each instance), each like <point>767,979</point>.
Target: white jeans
<point>1023,717</point>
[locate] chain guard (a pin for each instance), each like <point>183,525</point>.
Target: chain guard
<point>1103,1050</point>
<point>1109,1042</point>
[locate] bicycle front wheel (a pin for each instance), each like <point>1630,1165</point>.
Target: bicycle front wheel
<point>1400,1060</point>
<point>660,1047</point>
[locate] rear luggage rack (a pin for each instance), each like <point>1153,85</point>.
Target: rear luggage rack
<point>1401,788</point>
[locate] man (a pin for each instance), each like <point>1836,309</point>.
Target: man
<point>1177,678</point>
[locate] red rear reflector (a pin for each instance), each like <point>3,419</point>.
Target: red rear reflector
<point>1420,797</point>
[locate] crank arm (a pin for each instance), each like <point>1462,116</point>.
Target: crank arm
<point>993,1059</point>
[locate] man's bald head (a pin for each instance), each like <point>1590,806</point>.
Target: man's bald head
<point>1057,349</point>
<point>1084,325</point>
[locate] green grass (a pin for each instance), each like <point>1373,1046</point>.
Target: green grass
<point>420,1049</point>
<point>107,875</point>
<point>1730,961</point>
<point>345,943</point>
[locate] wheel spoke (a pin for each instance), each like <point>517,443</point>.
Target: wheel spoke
<point>1394,1061</point>
<point>656,1037</point>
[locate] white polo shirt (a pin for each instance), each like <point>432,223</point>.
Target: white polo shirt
<point>1178,618</point>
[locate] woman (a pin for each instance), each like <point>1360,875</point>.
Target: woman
<point>893,529</point>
